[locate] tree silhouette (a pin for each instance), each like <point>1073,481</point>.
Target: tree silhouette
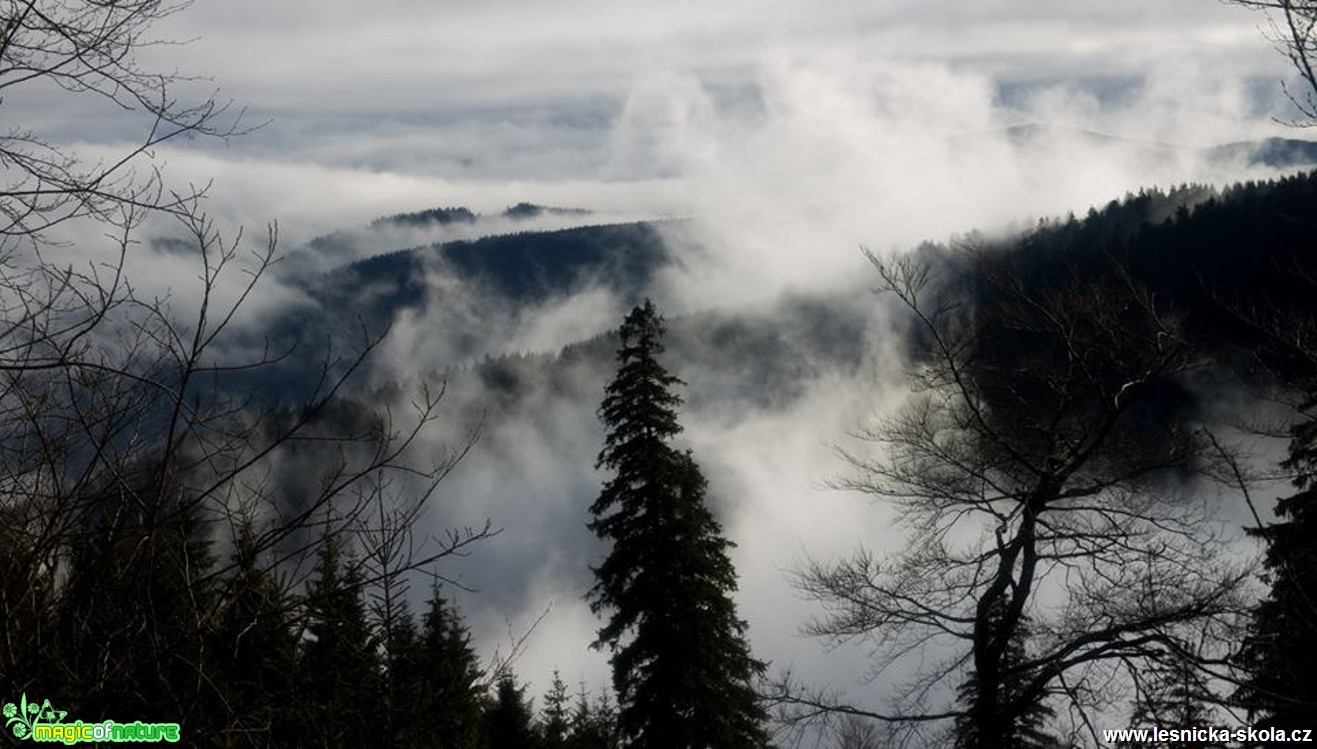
<point>1173,693</point>
<point>450,679</point>
<point>555,723</point>
<point>339,665</point>
<point>1026,715</point>
<point>1280,651</point>
<point>509,721</point>
<point>681,666</point>
<point>255,650</point>
<point>1293,28</point>
<point>1038,468</point>
<point>593,725</point>
<point>160,511</point>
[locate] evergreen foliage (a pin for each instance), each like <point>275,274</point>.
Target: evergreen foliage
<point>510,719</point>
<point>124,456</point>
<point>1018,705</point>
<point>449,679</point>
<point>403,719</point>
<point>555,723</point>
<point>137,608</point>
<point>594,724</point>
<point>255,650</point>
<point>681,666</point>
<point>1280,652</point>
<point>441,216</point>
<point>338,666</point>
<point>1209,255</point>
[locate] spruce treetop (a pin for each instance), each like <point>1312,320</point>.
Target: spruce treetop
<point>639,406</point>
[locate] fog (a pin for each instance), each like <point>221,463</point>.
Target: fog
<point>790,136</point>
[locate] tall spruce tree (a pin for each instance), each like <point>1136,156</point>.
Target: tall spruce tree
<point>255,648</point>
<point>593,723</point>
<point>1280,652</point>
<point>449,678</point>
<point>338,666</point>
<point>510,718</point>
<point>681,666</point>
<point>555,721</point>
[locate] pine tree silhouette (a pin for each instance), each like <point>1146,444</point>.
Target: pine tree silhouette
<point>339,666</point>
<point>1280,652</point>
<point>681,666</point>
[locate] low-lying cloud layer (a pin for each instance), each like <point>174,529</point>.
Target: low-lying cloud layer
<point>793,133</point>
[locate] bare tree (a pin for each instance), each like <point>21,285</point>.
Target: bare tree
<point>127,454</point>
<point>144,492</point>
<point>855,732</point>
<point>1057,536</point>
<point>86,53</point>
<point>1292,25</point>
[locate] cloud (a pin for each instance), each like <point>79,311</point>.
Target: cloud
<point>841,111</point>
<point>834,151</point>
<point>483,87</point>
<point>793,133</point>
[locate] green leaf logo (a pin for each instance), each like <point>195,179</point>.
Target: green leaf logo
<point>22,717</point>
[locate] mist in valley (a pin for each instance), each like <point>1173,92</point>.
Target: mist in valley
<point>733,163</point>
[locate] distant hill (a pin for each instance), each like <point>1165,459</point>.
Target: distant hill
<point>472,290</point>
<point>1197,248</point>
<point>431,216</point>
<point>460,215</point>
<point>388,234</point>
<point>1275,153</point>
<point>1236,268</point>
<point>524,268</point>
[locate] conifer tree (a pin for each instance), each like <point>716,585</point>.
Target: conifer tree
<point>136,608</point>
<point>555,720</point>
<point>509,721</point>
<point>255,651</point>
<point>1280,652</point>
<point>338,666</point>
<point>403,719</point>
<point>449,678</point>
<point>593,725</point>
<point>1024,713</point>
<point>681,667</point>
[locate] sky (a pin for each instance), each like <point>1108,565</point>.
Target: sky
<point>792,133</point>
<point>618,105</point>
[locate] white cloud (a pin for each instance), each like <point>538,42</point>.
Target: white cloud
<point>795,132</point>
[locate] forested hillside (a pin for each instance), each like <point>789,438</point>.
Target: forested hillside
<point>762,446</point>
